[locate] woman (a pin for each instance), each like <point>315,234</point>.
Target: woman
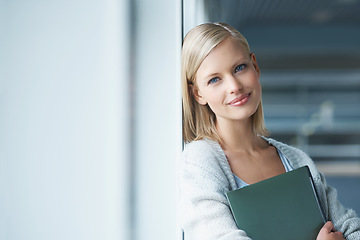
<point>225,136</point>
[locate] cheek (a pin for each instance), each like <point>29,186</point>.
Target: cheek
<point>259,88</point>
<point>215,101</point>
<point>213,95</point>
<point>258,91</point>
<point>256,83</point>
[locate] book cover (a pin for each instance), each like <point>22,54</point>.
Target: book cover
<point>282,207</point>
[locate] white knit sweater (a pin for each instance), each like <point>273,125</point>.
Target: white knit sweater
<point>205,177</point>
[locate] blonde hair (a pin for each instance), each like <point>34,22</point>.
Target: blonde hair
<point>199,120</point>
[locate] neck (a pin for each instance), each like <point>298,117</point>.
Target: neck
<point>238,136</point>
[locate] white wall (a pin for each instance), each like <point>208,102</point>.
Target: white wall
<point>61,112</point>
<point>68,158</point>
<point>157,116</point>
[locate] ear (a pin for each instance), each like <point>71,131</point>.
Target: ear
<point>256,66</point>
<point>197,95</point>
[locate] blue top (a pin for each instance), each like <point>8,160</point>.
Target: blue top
<point>240,183</point>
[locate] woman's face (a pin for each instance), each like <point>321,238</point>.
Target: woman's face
<point>228,81</point>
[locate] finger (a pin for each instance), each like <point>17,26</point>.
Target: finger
<point>338,234</point>
<point>328,227</point>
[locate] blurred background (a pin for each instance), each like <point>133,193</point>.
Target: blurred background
<point>309,57</point>
<point>90,119</point>
<point>90,106</point>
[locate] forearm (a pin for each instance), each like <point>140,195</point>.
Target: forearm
<point>344,220</point>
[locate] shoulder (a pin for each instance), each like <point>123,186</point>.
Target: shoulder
<point>296,156</point>
<point>199,150</point>
<point>289,151</point>
<point>200,146</point>
<point>205,157</point>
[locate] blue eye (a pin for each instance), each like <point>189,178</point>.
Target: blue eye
<point>213,80</point>
<point>240,67</point>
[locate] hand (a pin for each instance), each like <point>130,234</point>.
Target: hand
<point>328,232</point>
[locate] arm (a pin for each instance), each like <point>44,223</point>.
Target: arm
<point>344,220</point>
<point>204,210</point>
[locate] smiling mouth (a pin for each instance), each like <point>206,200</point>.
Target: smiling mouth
<point>240,100</point>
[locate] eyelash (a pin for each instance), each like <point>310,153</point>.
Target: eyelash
<point>213,80</point>
<point>216,79</point>
<point>242,67</point>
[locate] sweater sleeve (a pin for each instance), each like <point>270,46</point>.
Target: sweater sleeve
<point>204,210</point>
<point>344,220</point>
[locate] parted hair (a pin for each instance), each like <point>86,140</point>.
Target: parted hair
<point>199,120</point>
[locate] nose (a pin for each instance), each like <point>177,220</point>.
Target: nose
<point>234,85</point>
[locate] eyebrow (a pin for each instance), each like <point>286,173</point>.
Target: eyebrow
<point>207,78</point>
<point>211,75</point>
<point>237,63</point>
<point>240,61</point>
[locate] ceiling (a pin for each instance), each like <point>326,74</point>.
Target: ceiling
<point>254,12</point>
<point>293,34</point>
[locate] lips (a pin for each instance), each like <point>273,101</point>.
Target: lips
<point>240,100</point>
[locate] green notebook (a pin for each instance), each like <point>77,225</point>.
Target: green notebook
<point>282,207</point>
